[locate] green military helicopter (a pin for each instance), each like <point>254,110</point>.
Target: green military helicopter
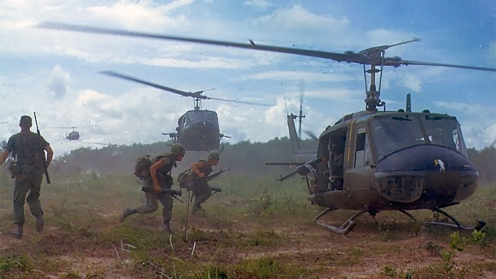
<point>372,161</point>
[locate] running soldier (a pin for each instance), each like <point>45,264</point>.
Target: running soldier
<point>156,180</point>
<point>28,148</point>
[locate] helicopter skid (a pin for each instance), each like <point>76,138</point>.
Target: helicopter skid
<point>344,229</point>
<point>478,227</point>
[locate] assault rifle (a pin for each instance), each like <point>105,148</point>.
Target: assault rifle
<point>215,175</point>
<point>42,150</point>
<point>207,179</point>
<point>302,169</point>
<point>173,193</point>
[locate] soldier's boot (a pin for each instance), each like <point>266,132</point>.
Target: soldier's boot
<point>196,207</point>
<point>166,227</point>
<point>127,212</point>
<point>17,233</point>
<point>40,224</point>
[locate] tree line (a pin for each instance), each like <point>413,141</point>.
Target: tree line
<point>244,158</point>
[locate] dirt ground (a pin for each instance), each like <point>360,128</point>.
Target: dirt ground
<point>376,248</point>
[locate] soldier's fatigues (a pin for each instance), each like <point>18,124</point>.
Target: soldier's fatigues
<point>200,188</point>
<point>152,198</point>
<point>165,181</point>
<point>28,148</point>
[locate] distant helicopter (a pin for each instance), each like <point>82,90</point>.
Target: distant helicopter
<point>70,136</point>
<point>372,160</point>
<point>299,155</point>
<point>197,130</point>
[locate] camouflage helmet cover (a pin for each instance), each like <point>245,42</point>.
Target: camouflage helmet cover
<point>178,148</point>
<point>213,156</point>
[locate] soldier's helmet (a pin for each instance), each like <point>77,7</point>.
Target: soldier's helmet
<point>177,149</point>
<point>213,156</point>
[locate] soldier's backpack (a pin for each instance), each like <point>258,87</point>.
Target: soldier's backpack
<point>182,178</point>
<point>142,166</point>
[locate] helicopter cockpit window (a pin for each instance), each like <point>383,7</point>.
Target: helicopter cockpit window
<point>391,134</point>
<point>199,115</point>
<point>446,132</point>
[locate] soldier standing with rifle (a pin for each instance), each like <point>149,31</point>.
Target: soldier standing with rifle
<point>28,148</point>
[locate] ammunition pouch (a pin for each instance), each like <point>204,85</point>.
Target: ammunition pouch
<point>14,169</point>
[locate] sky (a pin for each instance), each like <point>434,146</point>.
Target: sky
<point>56,73</point>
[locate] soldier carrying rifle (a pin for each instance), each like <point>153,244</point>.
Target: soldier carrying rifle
<point>28,148</point>
<point>195,179</point>
<point>157,180</point>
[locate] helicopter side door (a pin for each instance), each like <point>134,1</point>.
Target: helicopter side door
<point>359,164</point>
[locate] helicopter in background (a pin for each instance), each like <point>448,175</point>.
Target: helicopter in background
<point>299,155</point>
<point>371,161</point>
<point>197,129</point>
<point>73,135</point>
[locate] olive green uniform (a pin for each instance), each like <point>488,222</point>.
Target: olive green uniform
<point>165,181</point>
<point>28,148</point>
<point>200,188</point>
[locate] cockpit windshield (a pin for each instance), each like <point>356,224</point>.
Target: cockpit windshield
<point>200,115</point>
<point>391,134</point>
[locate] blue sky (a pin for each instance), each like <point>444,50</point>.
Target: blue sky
<point>56,73</point>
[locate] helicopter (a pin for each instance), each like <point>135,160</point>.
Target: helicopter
<point>73,135</point>
<point>197,129</point>
<point>371,161</point>
<point>299,155</point>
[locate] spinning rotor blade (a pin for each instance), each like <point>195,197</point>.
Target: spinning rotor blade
<point>129,78</point>
<point>350,57</point>
<point>3,122</point>
<point>62,127</point>
<point>241,102</point>
<point>311,135</point>
<point>399,62</point>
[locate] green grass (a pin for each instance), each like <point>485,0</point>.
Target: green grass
<point>251,215</point>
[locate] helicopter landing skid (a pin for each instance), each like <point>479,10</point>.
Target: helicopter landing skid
<point>478,227</point>
<point>345,228</point>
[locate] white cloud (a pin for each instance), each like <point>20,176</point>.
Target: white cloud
<point>298,18</point>
<point>58,82</point>
<point>145,14</point>
<point>258,3</point>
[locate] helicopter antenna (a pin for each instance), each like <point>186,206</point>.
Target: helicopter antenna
<point>302,92</point>
<point>408,103</point>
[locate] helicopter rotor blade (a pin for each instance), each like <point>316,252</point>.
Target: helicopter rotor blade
<point>349,56</point>
<point>130,78</point>
<point>62,127</point>
<point>311,135</point>
<point>384,47</point>
<point>3,122</point>
<point>353,57</point>
<point>409,62</point>
<point>241,102</point>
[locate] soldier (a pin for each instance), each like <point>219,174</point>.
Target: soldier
<point>28,148</point>
<point>159,179</point>
<point>200,188</point>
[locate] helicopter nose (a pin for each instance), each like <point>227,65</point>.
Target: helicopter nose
<point>433,175</point>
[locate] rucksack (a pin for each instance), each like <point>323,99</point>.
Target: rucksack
<point>182,178</point>
<point>142,166</point>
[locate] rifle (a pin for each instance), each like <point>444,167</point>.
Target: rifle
<point>215,175</point>
<point>301,169</point>
<point>207,179</point>
<point>42,151</point>
<point>173,193</point>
